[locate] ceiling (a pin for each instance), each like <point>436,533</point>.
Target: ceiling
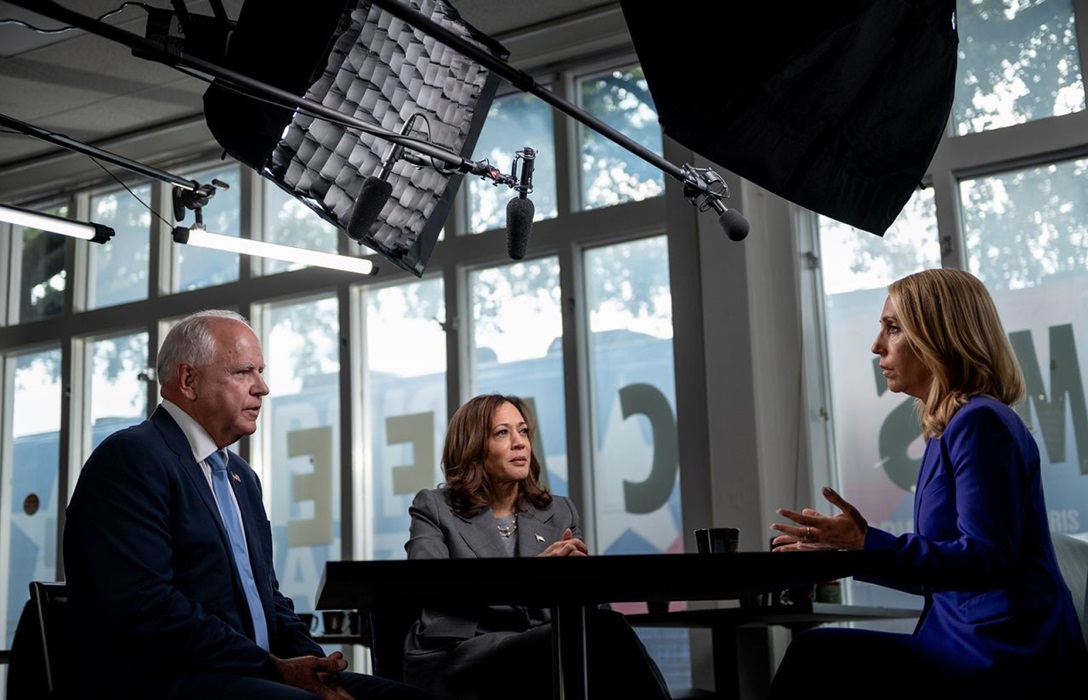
<point>93,90</point>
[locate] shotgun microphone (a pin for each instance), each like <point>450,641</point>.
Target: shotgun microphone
<point>376,190</point>
<point>520,210</point>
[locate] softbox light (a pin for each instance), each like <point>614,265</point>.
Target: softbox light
<point>362,62</point>
<point>835,106</point>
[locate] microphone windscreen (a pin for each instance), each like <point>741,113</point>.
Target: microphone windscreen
<point>734,225</point>
<point>372,198</point>
<point>519,224</point>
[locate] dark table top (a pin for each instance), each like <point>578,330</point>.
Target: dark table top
<point>800,614</point>
<point>551,581</point>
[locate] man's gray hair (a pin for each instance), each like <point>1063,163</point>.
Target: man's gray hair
<point>191,341</point>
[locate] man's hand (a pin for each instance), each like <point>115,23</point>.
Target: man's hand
<point>314,674</point>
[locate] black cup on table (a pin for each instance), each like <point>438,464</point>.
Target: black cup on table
<point>337,622</point>
<point>717,540</point>
<point>310,620</point>
<point>798,595</point>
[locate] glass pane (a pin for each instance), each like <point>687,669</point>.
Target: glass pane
<point>119,266</point>
<point>288,221</point>
<point>41,289</point>
<point>636,474</point>
<point>878,442</point>
<point>301,473</point>
<point>1027,240</point>
<point>118,394</point>
<point>517,330</point>
<point>1018,61</point>
<point>514,122</point>
<point>203,267</point>
<point>610,173</point>
<point>28,538</point>
<point>633,397</point>
<point>405,406</point>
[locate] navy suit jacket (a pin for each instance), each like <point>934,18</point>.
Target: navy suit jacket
<point>149,568</point>
<point>995,599</point>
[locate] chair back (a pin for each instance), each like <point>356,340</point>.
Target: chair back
<point>38,668</point>
<point>389,627</point>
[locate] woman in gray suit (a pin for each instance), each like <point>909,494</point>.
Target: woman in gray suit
<point>493,504</point>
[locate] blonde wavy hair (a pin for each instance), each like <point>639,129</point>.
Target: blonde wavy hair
<point>950,321</point>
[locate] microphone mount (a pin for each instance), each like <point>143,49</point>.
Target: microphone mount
<point>704,188</point>
<point>527,158</point>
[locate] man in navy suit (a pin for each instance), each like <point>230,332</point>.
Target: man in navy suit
<point>156,590</point>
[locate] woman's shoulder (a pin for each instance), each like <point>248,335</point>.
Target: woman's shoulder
<point>983,404</point>
<point>429,496</point>
<point>986,410</point>
<point>562,504</point>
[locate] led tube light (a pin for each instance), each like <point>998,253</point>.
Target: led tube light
<point>96,233</point>
<point>197,235</point>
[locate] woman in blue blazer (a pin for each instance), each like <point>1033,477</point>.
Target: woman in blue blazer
<point>997,615</point>
<point>493,505</point>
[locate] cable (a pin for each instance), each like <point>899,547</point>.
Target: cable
<point>60,30</point>
<point>134,195</point>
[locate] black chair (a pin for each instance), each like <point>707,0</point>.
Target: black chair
<point>39,667</point>
<point>388,628</point>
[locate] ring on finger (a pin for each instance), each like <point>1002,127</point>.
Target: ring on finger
<point>808,534</point>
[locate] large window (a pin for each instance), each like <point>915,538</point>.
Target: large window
<point>300,433</point>
<point>1018,61</point>
<point>115,392</point>
<point>404,407</point>
<point>1027,240</point>
<point>30,460</point>
<point>42,277</point>
<point>609,174</point>
<point>517,328</point>
<point>119,267</point>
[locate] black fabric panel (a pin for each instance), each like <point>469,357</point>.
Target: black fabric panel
<point>835,106</point>
<point>286,49</point>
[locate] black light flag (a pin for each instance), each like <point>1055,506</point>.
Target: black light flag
<point>835,106</point>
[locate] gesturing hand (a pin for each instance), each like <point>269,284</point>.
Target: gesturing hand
<point>314,674</point>
<point>567,546</point>
<point>813,530</point>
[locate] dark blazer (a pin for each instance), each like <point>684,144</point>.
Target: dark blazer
<point>149,567</point>
<point>995,599</point>
<point>458,638</point>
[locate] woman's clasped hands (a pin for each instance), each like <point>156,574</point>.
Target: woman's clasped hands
<point>812,530</point>
<point>567,546</point>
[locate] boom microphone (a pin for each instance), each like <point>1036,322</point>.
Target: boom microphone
<point>372,198</point>
<point>734,225</point>
<point>520,209</point>
<point>376,190</point>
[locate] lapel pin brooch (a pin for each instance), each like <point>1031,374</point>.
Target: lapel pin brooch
<point>236,477</point>
<point>539,538</point>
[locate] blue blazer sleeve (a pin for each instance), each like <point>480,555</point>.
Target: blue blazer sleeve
<point>978,489</point>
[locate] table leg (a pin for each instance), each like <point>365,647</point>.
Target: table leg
<point>569,651</point>
<point>726,667</point>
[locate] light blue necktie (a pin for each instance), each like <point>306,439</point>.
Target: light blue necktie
<point>238,544</point>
